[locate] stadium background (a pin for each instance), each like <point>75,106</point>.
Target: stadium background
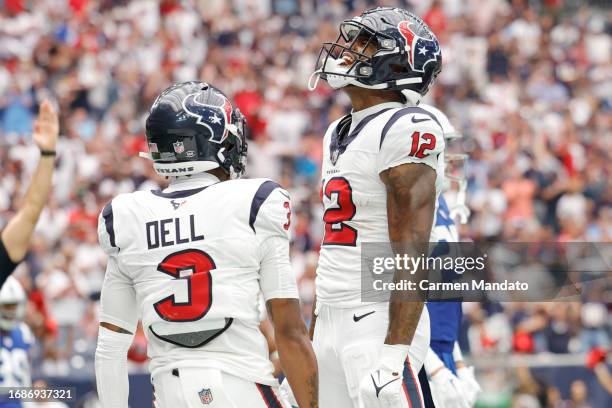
<point>528,83</point>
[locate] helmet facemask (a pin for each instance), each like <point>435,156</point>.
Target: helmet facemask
<point>330,59</point>
<point>11,314</point>
<point>233,156</point>
<point>455,176</point>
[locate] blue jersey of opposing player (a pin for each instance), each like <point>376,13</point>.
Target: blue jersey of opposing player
<point>445,316</point>
<point>14,361</point>
<point>15,341</point>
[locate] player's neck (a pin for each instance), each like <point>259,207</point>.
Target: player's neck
<point>365,98</point>
<point>193,181</point>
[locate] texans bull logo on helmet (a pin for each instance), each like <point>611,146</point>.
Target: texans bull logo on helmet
<point>423,47</point>
<point>217,117</point>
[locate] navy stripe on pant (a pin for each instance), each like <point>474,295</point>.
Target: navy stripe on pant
<point>427,398</point>
<point>411,387</point>
<point>268,395</point>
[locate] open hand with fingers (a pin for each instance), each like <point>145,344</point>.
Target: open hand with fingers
<point>46,127</point>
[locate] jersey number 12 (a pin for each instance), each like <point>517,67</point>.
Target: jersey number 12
<point>337,232</point>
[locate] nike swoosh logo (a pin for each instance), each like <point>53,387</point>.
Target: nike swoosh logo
<point>377,388</point>
<point>415,120</point>
<point>358,318</point>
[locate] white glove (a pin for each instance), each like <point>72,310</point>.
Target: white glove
<point>287,393</point>
<point>446,390</point>
<point>382,387</point>
<point>470,386</point>
<point>460,211</point>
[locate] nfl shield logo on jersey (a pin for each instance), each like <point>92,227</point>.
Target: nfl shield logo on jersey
<point>334,156</point>
<point>205,396</point>
<point>179,147</point>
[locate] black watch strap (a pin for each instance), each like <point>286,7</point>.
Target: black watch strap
<point>47,152</point>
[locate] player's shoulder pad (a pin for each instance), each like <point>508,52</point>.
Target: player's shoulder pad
<point>107,220</point>
<point>447,127</point>
<point>411,118</point>
<point>269,208</point>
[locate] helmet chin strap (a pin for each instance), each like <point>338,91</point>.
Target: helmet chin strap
<point>316,75</point>
<point>339,81</point>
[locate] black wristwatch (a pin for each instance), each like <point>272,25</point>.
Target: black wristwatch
<point>47,152</point>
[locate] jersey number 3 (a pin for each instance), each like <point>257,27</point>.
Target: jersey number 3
<point>194,267</point>
<point>337,232</point>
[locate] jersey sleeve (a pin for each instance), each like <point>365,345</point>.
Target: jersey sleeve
<point>276,277</point>
<point>271,211</point>
<point>272,227</point>
<point>407,142</point>
<point>106,230</point>
<point>118,299</point>
<point>7,266</point>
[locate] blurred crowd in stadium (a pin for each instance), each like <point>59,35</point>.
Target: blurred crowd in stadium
<point>529,85</point>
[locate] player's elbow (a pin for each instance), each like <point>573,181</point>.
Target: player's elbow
<point>16,246</point>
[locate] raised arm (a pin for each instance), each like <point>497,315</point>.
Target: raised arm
<point>16,236</point>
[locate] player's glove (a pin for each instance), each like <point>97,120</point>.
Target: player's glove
<point>595,356</point>
<point>446,390</point>
<point>460,209</point>
<point>287,393</point>
<point>382,387</point>
<point>470,386</point>
<point>462,212</point>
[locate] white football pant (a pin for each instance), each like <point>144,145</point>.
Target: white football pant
<point>347,343</point>
<point>211,388</point>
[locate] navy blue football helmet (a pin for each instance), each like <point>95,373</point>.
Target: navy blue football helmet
<point>406,57</point>
<point>191,128</point>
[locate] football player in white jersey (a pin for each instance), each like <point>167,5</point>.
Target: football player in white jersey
<point>191,262</point>
<point>383,168</point>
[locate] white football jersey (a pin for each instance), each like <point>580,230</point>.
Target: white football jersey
<point>192,263</point>
<point>354,196</point>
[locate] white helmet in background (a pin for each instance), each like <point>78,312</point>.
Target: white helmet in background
<point>12,304</point>
<point>455,165</point>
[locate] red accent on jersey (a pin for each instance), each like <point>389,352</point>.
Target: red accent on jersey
<point>419,149</point>
<point>288,207</point>
<point>199,286</point>
<point>336,231</point>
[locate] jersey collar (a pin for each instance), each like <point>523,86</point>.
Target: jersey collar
<point>338,144</point>
<point>191,182</point>
<point>360,115</point>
